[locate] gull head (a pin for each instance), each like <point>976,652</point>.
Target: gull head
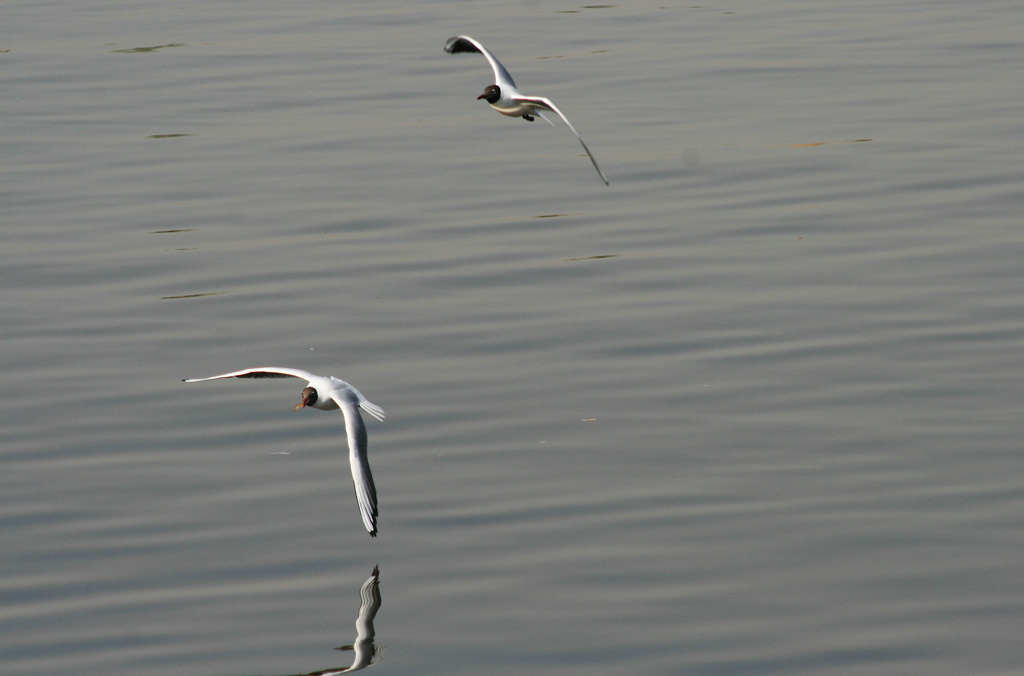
<point>309,397</point>
<point>491,94</point>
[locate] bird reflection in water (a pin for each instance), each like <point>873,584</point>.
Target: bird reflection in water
<point>363,648</point>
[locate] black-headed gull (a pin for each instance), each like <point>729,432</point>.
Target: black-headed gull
<point>506,99</point>
<point>328,393</point>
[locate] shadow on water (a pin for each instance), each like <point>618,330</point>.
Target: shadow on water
<point>146,50</point>
<point>194,295</point>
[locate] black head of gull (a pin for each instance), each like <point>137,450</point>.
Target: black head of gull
<point>309,397</point>
<point>491,94</point>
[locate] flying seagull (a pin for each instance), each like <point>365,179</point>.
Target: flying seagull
<point>327,393</point>
<point>506,99</point>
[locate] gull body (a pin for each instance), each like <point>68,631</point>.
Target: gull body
<point>328,393</point>
<point>506,98</point>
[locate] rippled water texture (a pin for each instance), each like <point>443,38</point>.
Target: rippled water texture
<point>754,408</point>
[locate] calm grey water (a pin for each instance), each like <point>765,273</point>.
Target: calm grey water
<point>755,408</point>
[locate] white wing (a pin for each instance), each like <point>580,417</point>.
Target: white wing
<point>542,102</point>
<point>262,372</point>
<point>464,43</point>
<point>362,479</point>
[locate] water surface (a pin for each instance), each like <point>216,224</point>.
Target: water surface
<point>752,409</point>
